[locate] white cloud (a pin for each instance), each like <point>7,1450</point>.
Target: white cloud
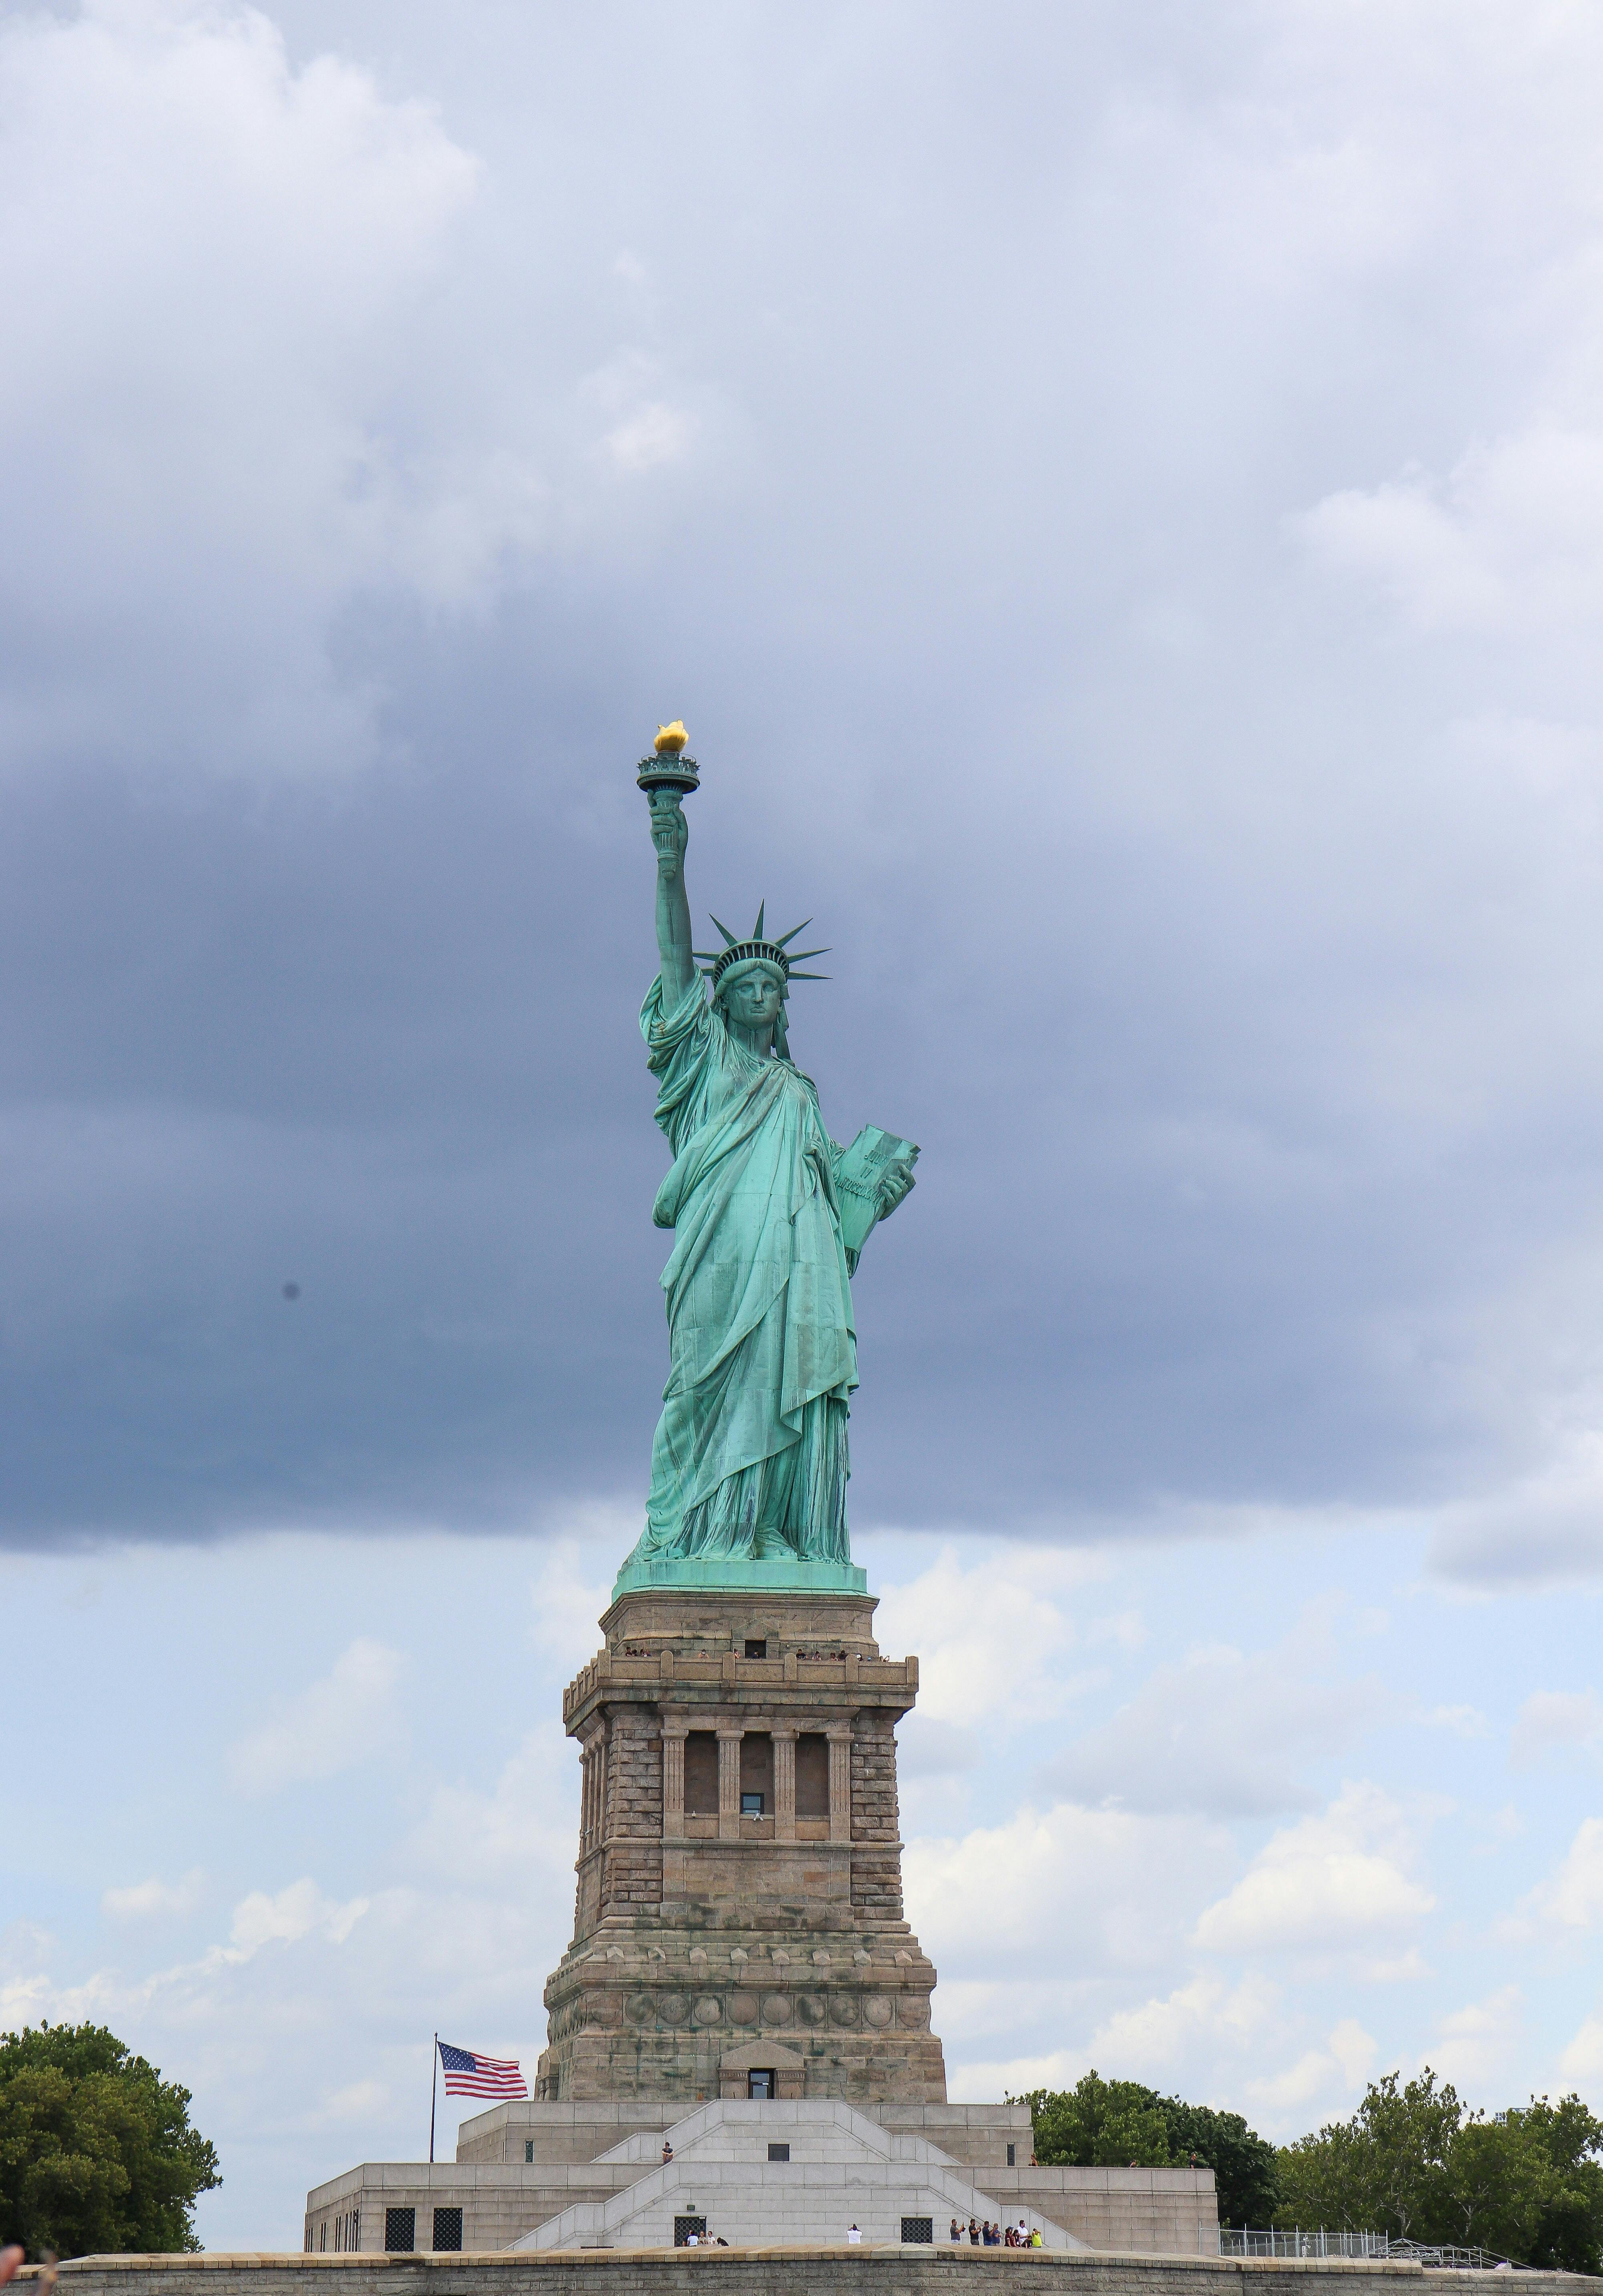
<point>1112,1891</point>
<point>1333,1883</point>
<point>992,1640</point>
<point>1510,541</point>
<point>1200,2020</point>
<point>1555,1718</point>
<point>1473,2046</point>
<point>1581,2060</point>
<point>1224,1733</point>
<point>526,1823</point>
<point>298,1911</point>
<point>352,1716</point>
<point>1463,1721</point>
<point>144,1901</point>
<point>217,271</point>
<point>1545,1530</point>
<point>1321,2080</point>
<point>1572,1897</point>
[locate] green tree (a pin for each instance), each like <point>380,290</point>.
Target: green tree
<point>1384,2170</point>
<point>96,2153</point>
<point>1567,2140</point>
<point>1246,2166</point>
<point>1099,2124</point>
<point>1526,2183</point>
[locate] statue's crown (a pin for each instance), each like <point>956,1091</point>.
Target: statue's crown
<point>736,951</point>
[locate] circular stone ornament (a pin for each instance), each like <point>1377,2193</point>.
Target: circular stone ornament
<point>673,2008</point>
<point>809,2008</point>
<point>776,2008</point>
<point>843,2008</point>
<point>876,2009</point>
<point>639,2008</point>
<point>709,2009</point>
<point>742,2008</point>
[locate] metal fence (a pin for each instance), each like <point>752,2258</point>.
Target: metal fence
<point>1361,2244</point>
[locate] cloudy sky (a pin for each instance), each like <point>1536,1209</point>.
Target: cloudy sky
<point>1117,495</point>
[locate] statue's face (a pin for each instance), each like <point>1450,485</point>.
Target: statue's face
<point>753,998</point>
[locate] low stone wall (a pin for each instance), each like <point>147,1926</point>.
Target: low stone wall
<point>942,2271</point>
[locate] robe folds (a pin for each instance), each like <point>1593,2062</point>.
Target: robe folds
<point>750,1457</point>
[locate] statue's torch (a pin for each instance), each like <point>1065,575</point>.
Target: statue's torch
<point>668,776</point>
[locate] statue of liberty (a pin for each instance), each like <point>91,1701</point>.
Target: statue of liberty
<point>748,1465</point>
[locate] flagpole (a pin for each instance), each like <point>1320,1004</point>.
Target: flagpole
<point>433,2066</point>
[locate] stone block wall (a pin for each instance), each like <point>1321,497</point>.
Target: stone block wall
<point>736,2272</point>
<point>697,1933</point>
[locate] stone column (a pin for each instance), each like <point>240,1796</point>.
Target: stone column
<point>840,1781</point>
<point>784,1785</point>
<point>586,1781</point>
<point>728,1782</point>
<point>673,1778</point>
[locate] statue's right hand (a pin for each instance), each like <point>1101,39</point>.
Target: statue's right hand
<point>670,834</point>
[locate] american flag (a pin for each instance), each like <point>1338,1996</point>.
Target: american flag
<point>468,2074</point>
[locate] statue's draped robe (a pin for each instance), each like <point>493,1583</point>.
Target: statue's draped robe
<point>750,1454</point>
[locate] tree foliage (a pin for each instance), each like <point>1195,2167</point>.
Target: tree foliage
<point>1526,2183</point>
<point>1101,2124</point>
<point>96,2153</point>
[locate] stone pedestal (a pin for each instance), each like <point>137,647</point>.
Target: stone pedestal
<point>738,1928</point>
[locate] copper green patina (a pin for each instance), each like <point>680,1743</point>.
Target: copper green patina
<point>749,1467</point>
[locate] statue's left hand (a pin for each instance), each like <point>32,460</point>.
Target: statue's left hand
<point>895,1182</point>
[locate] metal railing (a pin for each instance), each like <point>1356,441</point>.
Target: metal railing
<point>1377,2245</point>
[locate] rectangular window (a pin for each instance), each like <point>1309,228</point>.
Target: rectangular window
<point>761,2083</point>
<point>751,1805</point>
<point>757,1770</point>
<point>400,2231</point>
<point>529,2148</point>
<point>700,1773</point>
<point>779,2151</point>
<point>355,2228</point>
<point>448,2229</point>
<point>322,2235</point>
<point>683,2226</point>
<point>1012,2156</point>
<point>757,1648</point>
<point>917,2230</point>
<point>813,1775</point>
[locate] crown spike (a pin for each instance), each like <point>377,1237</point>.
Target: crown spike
<point>801,954</point>
<point>756,931</point>
<point>785,939</point>
<point>811,976</point>
<point>730,939</point>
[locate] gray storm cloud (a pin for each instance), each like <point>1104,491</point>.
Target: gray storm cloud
<point>1121,515</point>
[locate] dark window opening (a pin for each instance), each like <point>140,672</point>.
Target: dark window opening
<point>683,2226</point>
<point>761,2083</point>
<point>700,1773</point>
<point>751,1805</point>
<point>527,2148</point>
<point>757,1647</point>
<point>448,2229</point>
<point>1012,2156</point>
<point>400,2231</point>
<point>813,1775</point>
<point>779,2151</point>
<point>757,1770</point>
<point>921,2229</point>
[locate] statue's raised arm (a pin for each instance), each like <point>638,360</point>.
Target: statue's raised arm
<point>670,834</point>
